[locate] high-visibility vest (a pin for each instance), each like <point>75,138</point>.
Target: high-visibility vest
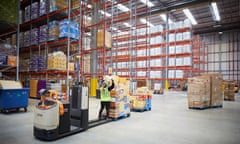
<point>105,95</point>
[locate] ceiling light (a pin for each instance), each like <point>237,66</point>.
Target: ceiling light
<point>107,14</point>
<point>220,33</point>
<point>164,17</point>
<point>215,11</point>
<point>147,22</point>
<point>147,2</point>
<point>89,6</point>
<point>190,16</point>
<point>127,24</point>
<point>123,8</point>
<point>113,28</point>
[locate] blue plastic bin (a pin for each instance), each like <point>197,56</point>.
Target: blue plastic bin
<point>14,98</point>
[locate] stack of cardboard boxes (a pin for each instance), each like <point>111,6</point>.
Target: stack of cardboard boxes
<point>142,99</point>
<point>104,39</point>
<point>198,92</point>
<point>215,88</point>
<point>57,61</point>
<point>205,91</point>
<point>120,103</point>
<point>228,90</point>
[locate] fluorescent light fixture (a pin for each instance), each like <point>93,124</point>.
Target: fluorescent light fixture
<point>164,17</point>
<point>127,24</point>
<point>220,33</point>
<point>147,22</point>
<point>215,11</point>
<point>147,2</point>
<point>113,28</point>
<point>107,14</point>
<point>123,8</point>
<point>190,16</point>
<point>89,6</point>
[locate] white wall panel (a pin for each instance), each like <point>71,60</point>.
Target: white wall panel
<point>224,65</point>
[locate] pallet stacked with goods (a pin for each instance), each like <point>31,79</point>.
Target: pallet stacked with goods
<point>205,91</point>
<point>142,100</point>
<point>120,102</point>
<point>228,90</point>
<point>49,40</point>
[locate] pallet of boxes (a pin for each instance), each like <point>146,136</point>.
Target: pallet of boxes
<point>228,90</point>
<point>142,100</point>
<point>120,102</point>
<point>205,91</point>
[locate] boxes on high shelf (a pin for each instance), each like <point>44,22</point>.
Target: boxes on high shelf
<point>104,38</point>
<point>216,88</point>
<point>228,90</point>
<point>57,62</point>
<point>57,4</point>
<point>75,4</point>
<point>11,60</point>
<point>198,92</point>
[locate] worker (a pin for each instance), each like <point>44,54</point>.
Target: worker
<point>105,97</point>
<point>50,95</point>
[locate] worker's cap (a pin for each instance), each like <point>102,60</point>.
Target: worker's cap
<point>43,91</point>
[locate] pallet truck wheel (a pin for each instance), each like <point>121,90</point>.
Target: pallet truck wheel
<point>17,109</point>
<point>25,109</point>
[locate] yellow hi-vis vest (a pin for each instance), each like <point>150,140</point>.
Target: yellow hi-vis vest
<point>105,95</point>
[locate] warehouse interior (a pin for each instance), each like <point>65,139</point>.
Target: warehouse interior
<point>174,67</point>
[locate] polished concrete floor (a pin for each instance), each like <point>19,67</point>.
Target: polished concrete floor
<point>169,122</point>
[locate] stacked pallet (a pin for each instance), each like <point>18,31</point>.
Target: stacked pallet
<point>198,92</point>
<point>120,103</point>
<point>205,91</point>
<point>215,88</point>
<point>141,101</point>
<point>228,90</point>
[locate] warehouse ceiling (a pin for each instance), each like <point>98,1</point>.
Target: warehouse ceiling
<point>201,9</point>
<point>229,12</point>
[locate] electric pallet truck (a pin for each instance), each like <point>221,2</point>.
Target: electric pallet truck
<point>56,118</point>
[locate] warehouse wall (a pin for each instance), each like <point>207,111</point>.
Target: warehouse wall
<point>223,54</point>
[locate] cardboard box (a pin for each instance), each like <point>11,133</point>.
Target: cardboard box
<point>215,87</point>
<point>139,104</point>
<point>198,92</point>
<point>11,60</point>
<point>104,39</point>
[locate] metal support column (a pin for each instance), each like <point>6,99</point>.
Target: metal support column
<point>167,48</point>
<point>94,31</point>
<point>18,41</point>
<point>68,47</point>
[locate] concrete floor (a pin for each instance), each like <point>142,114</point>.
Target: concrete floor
<point>169,122</point>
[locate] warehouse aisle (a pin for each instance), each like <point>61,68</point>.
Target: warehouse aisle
<point>169,122</point>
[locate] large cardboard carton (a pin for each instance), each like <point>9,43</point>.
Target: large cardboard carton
<point>216,88</point>
<point>104,39</point>
<point>228,90</point>
<point>198,92</point>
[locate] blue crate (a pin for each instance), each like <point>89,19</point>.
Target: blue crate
<point>14,98</point>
